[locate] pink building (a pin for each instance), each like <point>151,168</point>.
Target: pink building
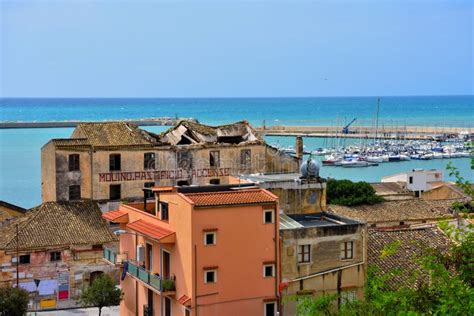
<point>200,251</point>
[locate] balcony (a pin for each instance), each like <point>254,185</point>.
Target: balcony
<point>112,257</point>
<point>152,280</point>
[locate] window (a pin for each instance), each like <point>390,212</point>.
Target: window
<point>270,309</point>
<point>214,158</point>
<point>167,306</point>
<point>347,250</point>
<point>268,270</point>
<point>210,238</point>
<point>245,158</point>
<point>55,256</point>
<point>149,161</point>
<point>268,216</point>
<point>187,312</point>
<point>210,276</point>
<point>348,296</point>
<point>185,160</point>
<point>149,193</point>
<point>304,253</point>
<point>74,162</point>
<point>182,183</point>
<point>114,162</point>
<point>411,180</point>
<point>164,211</point>
<point>115,192</point>
<point>24,259</point>
<point>215,181</point>
<point>74,192</point>
<point>401,223</point>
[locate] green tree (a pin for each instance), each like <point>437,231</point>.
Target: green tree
<point>13,301</point>
<point>102,293</point>
<point>348,193</point>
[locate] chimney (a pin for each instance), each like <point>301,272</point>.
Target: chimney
<point>299,147</point>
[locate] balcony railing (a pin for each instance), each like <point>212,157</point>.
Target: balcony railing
<point>150,279</point>
<point>110,255</point>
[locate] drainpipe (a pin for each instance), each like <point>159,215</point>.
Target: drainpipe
<point>136,281</point>
<point>161,283</point>
<point>277,261</point>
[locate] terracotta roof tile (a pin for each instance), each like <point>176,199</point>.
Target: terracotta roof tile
<point>148,229</point>
<point>237,197</point>
<point>394,211</point>
<point>113,215</point>
<point>56,224</point>
<point>408,245</point>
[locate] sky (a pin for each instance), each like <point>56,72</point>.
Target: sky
<point>235,48</point>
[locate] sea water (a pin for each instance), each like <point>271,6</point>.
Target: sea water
<point>20,163</point>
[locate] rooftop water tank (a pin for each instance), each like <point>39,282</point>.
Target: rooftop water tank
<point>310,169</point>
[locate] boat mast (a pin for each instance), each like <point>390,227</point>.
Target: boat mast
<point>377,119</point>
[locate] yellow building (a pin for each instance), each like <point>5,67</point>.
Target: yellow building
<point>114,161</point>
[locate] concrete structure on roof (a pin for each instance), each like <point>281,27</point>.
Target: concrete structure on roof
<point>296,194</point>
<point>322,253</point>
<point>408,245</point>
<point>114,161</point>
<point>8,212</point>
<point>210,250</point>
<point>61,245</point>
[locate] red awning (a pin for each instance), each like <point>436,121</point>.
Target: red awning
<point>152,231</point>
<point>184,300</point>
<point>116,216</point>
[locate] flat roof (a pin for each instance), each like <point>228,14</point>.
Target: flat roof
<point>321,219</point>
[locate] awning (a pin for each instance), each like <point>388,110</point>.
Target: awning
<point>116,216</point>
<point>184,300</point>
<point>153,231</point>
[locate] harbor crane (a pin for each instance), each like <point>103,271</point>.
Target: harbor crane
<point>345,130</point>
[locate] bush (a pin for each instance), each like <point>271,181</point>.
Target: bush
<point>348,193</point>
<point>102,293</point>
<point>13,301</point>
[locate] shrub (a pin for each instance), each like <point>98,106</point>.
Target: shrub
<point>348,193</point>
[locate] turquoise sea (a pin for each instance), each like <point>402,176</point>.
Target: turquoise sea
<point>20,173</point>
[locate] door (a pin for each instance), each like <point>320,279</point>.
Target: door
<point>167,307</point>
<point>149,257</point>
<point>166,264</point>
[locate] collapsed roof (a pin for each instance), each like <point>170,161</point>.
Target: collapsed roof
<point>189,133</point>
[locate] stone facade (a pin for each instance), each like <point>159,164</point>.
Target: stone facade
<point>335,263</point>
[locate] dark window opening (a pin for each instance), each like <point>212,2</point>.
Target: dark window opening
<point>185,160</point>
<point>97,247</point>
<point>210,276</point>
<point>149,193</point>
<point>402,223</point>
<point>268,271</point>
<point>24,259</point>
<point>268,217</point>
<point>74,192</point>
<point>115,192</point>
<point>182,183</point>
<point>245,158</point>
<point>149,161</point>
<point>210,238</point>
<point>215,181</point>
<point>74,162</point>
<point>230,139</point>
<point>55,256</point>
<point>114,162</point>
<point>270,309</point>
<point>214,158</point>
<point>167,306</point>
<point>164,211</point>
<point>411,180</point>
<point>94,276</point>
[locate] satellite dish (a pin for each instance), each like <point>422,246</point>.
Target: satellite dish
<point>310,168</point>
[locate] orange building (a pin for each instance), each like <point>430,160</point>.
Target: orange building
<point>209,250</point>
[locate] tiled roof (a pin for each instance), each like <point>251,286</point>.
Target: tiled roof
<point>184,300</point>
<point>58,224</point>
<point>236,197</point>
<point>113,215</point>
<point>405,247</point>
<point>394,211</point>
<point>68,142</point>
<point>148,229</point>
<point>114,134</point>
<point>13,207</point>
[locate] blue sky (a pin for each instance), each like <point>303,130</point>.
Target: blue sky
<point>235,48</point>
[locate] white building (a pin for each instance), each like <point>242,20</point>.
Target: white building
<point>417,180</point>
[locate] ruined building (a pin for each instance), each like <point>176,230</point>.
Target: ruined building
<point>114,161</point>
